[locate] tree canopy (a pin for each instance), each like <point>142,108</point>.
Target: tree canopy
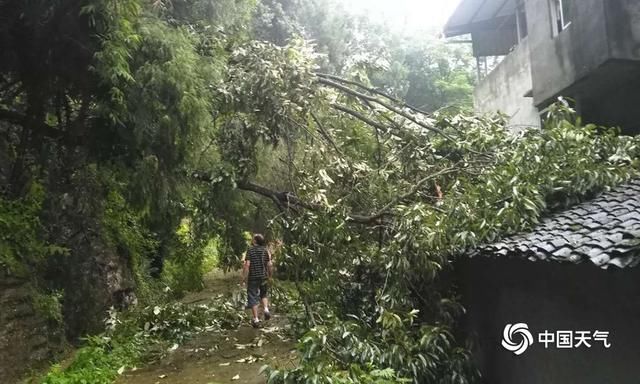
<point>152,128</point>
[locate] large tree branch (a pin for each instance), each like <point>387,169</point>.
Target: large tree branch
<point>384,104</point>
<point>371,90</point>
<point>287,200</point>
<point>360,117</point>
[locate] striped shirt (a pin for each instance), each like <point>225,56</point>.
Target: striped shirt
<point>259,258</point>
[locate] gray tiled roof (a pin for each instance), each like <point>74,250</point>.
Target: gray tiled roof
<point>604,231</point>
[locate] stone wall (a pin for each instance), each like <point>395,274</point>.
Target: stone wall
<point>96,274</point>
<point>27,339</point>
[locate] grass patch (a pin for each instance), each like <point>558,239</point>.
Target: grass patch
<point>130,336</point>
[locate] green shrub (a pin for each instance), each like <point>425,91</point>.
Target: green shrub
<point>125,230</point>
<point>191,257</point>
<point>99,362</point>
<point>128,336</point>
<point>210,255</point>
<point>22,244</point>
<point>48,304</point>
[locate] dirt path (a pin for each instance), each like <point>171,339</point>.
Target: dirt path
<point>215,358</point>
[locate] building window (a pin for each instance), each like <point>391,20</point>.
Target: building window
<point>560,15</point>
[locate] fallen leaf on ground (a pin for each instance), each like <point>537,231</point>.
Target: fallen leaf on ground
<point>249,360</point>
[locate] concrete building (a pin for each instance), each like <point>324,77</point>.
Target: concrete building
<point>587,50</point>
<point>575,277</point>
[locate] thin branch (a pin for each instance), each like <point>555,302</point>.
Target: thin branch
<point>377,131</point>
<point>305,301</point>
<point>207,147</point>
<point>289,162</point>
<point>359,116</point>
<point>372,90</point>
<point>404,114</point>
<point>384,115</point>
<point>326,134</point>
<point>306,129</point>
<point>387,208</point>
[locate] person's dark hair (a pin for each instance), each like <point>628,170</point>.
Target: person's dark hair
<point>259,239</point>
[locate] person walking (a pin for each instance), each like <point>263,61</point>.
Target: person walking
<point>256,271</point>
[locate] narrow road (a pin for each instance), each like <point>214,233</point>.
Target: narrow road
<point>215,358</point>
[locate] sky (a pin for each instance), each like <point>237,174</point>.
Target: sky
<point>408,16</point>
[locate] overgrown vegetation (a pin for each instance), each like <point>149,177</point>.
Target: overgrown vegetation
<point>374,293</point>
<point>22,247</point>
<point>130,337</point>
<point>156,133</point>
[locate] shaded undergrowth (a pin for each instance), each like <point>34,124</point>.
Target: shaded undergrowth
<point>130,337</point>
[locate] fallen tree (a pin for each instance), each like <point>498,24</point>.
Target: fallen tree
<point>375,198</point>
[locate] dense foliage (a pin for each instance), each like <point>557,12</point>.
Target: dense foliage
<point>376,294</point>
<point>420,68</point>
<point>105,107</point>
<point>156,133</point>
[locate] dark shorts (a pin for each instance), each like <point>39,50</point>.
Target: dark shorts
<point>256,290</point>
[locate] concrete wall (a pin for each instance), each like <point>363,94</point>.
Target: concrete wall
<point>623,28</point>
<point>595,61</point>
<point>610,95</point>
<point>505,87</point>
<point>559,61</point>
<point>552,296</point>
<point>495,42</point>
